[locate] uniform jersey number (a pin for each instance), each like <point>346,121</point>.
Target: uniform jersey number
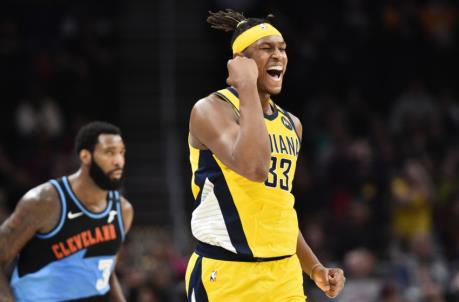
<point>282,180</point>
<point>105,266</point>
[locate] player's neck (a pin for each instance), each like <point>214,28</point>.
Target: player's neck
<point>86,189</point>
<point>264,99</point>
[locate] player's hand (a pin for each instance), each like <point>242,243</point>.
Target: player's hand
<point>242,71</point>
<point>329,280</point>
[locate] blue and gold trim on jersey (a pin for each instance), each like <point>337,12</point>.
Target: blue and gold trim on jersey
<point>216,209</point>
<point>195,289</point>
<point>250,219</point>
<point>231,96</point>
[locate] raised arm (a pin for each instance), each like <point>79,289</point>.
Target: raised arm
<point>241,144</point>
<point>37,211</point>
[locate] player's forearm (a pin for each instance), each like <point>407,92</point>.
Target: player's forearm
<point>252,151</point>
<point>307,257</point>
<point>6,293</point>
<point>5,289</point>
<point>116,293</point>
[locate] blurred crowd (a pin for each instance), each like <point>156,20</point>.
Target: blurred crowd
<point>56,72</point>
<point>384,202</point>
<point>377,183</point>
<point>375,86</point>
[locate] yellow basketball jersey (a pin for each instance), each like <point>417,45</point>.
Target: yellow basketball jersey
<point>237,216</point>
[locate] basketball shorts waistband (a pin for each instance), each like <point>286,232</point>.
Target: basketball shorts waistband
<point>215,252</point>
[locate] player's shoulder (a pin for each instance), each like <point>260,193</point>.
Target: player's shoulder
<point>208,103</point>
<point>42,195</point>
<point>296,121</point>
<point>126,205</point>
<point>211,112</point>
<point>39,206</point>
<point>128,212</point>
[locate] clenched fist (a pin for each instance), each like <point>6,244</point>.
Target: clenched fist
<point>329,280</point>
<point>242,71</point>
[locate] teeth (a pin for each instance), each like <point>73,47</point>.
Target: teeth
<point>279,68</point>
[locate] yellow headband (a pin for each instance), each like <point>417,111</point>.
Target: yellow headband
<point>252,35</point>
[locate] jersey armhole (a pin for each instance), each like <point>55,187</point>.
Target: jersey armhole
<point>60,223</point>
<point>225,99</point>
<point>120,214</point>
<point>287,115</point>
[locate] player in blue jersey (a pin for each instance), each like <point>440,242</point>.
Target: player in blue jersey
<point>66,232</point>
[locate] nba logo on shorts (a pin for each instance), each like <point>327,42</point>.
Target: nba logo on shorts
<point>213,276</point>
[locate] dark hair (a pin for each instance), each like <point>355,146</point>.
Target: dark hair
<point>228,20</point>
<point>88,135</point>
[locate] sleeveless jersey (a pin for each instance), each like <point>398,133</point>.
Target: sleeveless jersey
<point>75,260</point>
<point>239,219</point>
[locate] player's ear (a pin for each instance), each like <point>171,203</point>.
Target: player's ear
<point>85,156</point>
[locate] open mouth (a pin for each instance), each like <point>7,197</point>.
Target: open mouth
<point>275,72</point>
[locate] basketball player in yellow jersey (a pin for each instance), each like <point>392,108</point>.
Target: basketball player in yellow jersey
<point>243,152</point>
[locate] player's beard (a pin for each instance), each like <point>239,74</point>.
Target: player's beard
<point>103,180</point>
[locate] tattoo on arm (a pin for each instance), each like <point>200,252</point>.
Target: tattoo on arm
<point>35,212</point>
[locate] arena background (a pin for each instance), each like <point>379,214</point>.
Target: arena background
<point>375,84</point>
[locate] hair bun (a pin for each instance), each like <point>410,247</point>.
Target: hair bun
<point>269,18</point>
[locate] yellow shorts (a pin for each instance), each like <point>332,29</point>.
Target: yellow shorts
<point>211,280</point>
